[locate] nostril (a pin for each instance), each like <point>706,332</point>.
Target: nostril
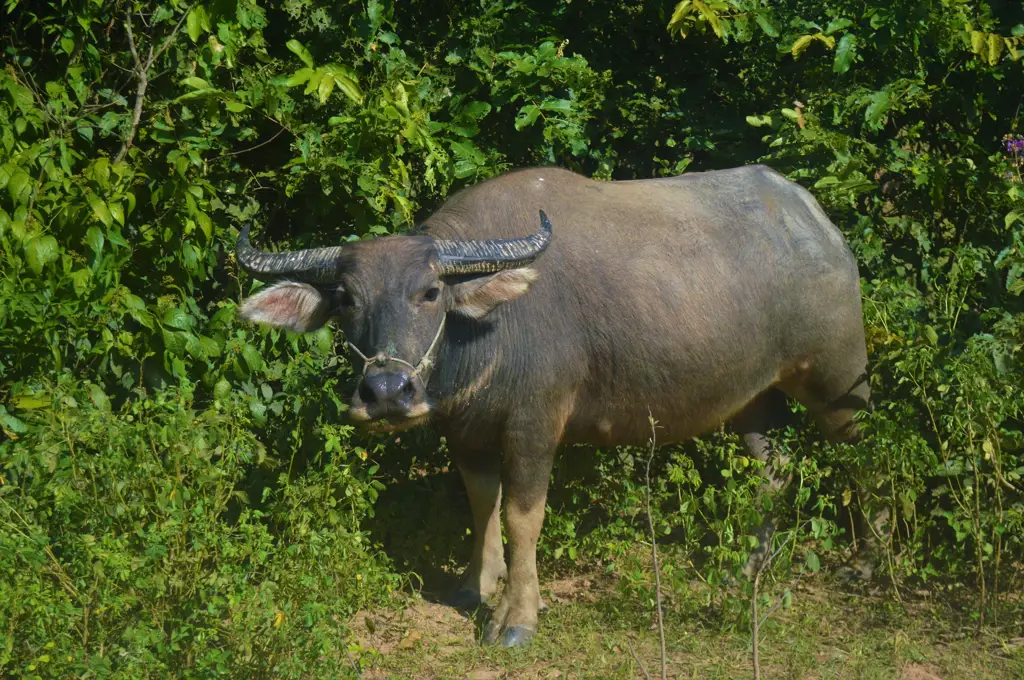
<point>408,389</point>
<point>367,394</point>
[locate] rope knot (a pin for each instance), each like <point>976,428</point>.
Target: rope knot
<point>381,360</point>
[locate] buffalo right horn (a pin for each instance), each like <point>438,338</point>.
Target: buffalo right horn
<point>492,255</point>
<point>312,265</point>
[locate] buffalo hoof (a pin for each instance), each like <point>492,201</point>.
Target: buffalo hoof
<point>465,598</point>
<point>517,636</point>
<point>512,636</point>
<point>858,570</point>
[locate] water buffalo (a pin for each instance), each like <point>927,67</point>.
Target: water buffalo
<point>541,308</point>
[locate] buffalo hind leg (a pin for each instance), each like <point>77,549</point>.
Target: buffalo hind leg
<point>487,565</point>
<point>833,392</point>
<point>768,411</point>
<point>529,457</point>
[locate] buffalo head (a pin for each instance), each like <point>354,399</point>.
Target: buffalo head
<point>390,296</point>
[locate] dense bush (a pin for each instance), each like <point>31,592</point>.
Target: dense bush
<point>176,491</point>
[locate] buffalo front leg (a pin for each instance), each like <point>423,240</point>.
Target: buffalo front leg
<point>769,411</point>
<point>527,470</point>
<point>487,565</point>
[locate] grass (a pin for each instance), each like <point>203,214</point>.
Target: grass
<point>588,632</point>
<point>829,632</point>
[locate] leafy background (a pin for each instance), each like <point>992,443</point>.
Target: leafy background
<point>177,494</point>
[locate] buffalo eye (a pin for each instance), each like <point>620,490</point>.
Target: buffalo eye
<point>431,294</point>
<point>345,299</point>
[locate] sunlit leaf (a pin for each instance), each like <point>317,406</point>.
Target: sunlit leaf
<point>846,51</point>
<point>300,50</point>
<point>100,209</point>
<point>41,251</point>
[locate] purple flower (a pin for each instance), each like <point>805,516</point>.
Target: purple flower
<point>1014,144</point>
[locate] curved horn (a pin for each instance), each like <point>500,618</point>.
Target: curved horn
<point>492,255</point>
<point>313,265</point>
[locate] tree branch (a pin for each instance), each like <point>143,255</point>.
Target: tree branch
<point>142,75</point>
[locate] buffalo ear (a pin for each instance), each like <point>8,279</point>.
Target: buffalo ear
<point>478,298</point>
<point>298,307</point>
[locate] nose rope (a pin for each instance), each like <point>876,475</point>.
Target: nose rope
<point>382,359</point>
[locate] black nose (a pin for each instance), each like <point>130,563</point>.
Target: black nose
<point>387,389</point>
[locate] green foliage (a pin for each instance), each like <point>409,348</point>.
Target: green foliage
<point>176,492</point>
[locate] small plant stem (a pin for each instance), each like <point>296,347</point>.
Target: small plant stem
<point>654,548</point>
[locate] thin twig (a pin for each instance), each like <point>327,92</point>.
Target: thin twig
<point>638,661</point>
<point>755,621</point>
<point>654,545</point>
<point>352,662</point>
<point>35,192</point>
<point>251,148</point>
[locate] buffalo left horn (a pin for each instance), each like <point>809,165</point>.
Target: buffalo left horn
<point>492,255</point>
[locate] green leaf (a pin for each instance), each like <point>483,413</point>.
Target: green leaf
<point>933,337</point>
<point>527,116</point>
<point>879,106</point>
<point>978,42</point>
<point>562,105</point>
<point>680,16</point>
<point>845,53</point>
<point>18,186</point>
<point>465,168</point>
<point>467,151</point>
<point>100,171</point>
<point>325,88</point>
<point>41,251</point>
<point>221,389</point>
<point>299,77</point>
<point>300,50</point>
<point>476,110</point>
<point>205,223</point>
<point>346,80</point>
<point>314,82</point>
<point>174,341</point>
<point>94,239</point>
<point>29,402</point>
<point>11,424</point>
<point>114,236</point>
<point>812,561</point>
<point>252,357</point>
<point>99,397</point>
<point>838,25</point>
<point>764,21</point>
<point>800,45</point>
<point>178,318</point>
<point>1011,217</point>
<point>196,22</point>
<point>80,281</point>
<point>99,208</point>
<point>116,211</point>
<point>995,48</point>
<point>804,41</point>
<point>196,83</point>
